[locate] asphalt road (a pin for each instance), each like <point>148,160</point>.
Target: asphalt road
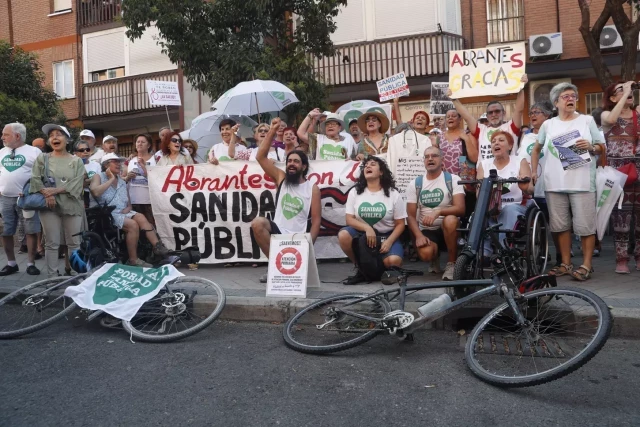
<point>243,375</point>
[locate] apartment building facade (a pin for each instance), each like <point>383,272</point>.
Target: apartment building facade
<point>377,38</point>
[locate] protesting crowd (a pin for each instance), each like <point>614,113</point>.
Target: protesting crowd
<point>65,177</point>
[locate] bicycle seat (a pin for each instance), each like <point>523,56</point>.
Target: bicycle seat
<point>393,275</point>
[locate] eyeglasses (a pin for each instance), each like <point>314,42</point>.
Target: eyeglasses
<point>431,156</point>
<point>83,150</point>
<point>262,131</point>
<point>618,89</point>
<point>179,141</point>
<point>188,147</point>
<point>534,113</point>
<point>371,119</point>
<point>494,112</point>
<point>569,97</point>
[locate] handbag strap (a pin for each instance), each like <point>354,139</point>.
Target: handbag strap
<point>635,130</point>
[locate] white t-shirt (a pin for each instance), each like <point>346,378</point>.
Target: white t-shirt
<point>484,133</point>
<point>275,155</point>
<point>139,186</point>
<point>221,151</point>
<point>556,179</point>
<point>328,149</point>
<point>376,209</point>
<point>97,156</point>
<point>406,144</point>
<point>293,206</point>
<point>511,193</point>
<point>14,173</point>
<point>524,152</point>
<point>92,168</point>
<point>434,193</point>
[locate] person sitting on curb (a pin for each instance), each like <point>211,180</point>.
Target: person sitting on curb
<point>435,203</point>
<point>296,199</point>
<point>375,208</point>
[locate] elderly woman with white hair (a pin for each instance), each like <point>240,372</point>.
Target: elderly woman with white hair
<point>569,181</point>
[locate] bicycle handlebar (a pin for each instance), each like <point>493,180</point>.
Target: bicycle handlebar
<point>499,180</point>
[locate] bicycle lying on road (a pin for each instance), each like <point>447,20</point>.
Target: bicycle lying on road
<point>183,307</point>
<point>540,332</point>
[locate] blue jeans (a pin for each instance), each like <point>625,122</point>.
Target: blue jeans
<point>508,217</point>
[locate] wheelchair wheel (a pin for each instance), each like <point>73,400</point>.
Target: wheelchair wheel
<point>467,267</point>
<point>537,248</point>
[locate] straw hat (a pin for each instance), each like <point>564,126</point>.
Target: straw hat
<point>384,120</point>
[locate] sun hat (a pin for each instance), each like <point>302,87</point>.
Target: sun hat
<point>88,133</point>
<point>192,142</point>
<point>109,137</point>
<point>332,117</point>
<point>384,120</point>
<point>111,156</point>
<point>51,126</point>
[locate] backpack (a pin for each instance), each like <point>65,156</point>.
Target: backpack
<point>370,262</point>
<point>447,181</point>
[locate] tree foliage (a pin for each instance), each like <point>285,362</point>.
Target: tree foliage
<point>220,43</point>
<point>23,96</point>
<point>628,30</point>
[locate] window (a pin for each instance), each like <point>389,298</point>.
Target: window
<point>63,79</point>
<point>61,5</point>
<point>505,21</point>
<point>592,101</point>
<point>112,73</point>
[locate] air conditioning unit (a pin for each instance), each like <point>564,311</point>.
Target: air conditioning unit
<point>545,46</point>
<point>539,90</point>
<point>610,38</point>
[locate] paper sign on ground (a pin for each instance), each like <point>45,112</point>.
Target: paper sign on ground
<point>163,93</point>
<point>393,87</point>
<point>440,103</point>
<point>292,265</point>
<point>491,70</point>
<point>571,157</point>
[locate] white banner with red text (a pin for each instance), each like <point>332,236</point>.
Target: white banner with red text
<point>212,207</point>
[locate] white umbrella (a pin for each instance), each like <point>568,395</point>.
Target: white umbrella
<point>205,129</point>
<point>356,105</point>
<point>255,97</point>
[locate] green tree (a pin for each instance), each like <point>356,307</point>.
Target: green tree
<point>628,31</point>
<point>23,96</point>
<point>221,43</point>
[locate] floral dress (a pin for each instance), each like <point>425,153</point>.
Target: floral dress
<point>451,152</point>
<point>118,197</point>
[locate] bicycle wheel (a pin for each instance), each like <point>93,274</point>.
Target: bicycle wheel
<point>184,307</point>
<point>340,331</point>
<point>567,327</point>
<point>34,307</point>
<point>537,243</point>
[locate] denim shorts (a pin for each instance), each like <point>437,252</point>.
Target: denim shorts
<point>11,214</point>
<point>396,248</point>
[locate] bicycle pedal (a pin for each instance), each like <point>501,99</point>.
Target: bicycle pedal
<point>403,318</point>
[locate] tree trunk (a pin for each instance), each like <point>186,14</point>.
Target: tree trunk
<point>591,39</point>
<point>629,55</point>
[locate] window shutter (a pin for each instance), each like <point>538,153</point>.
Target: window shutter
<point>59,5</point>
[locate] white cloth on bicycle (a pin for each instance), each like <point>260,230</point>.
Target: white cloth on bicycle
<point>121,290</point>
<point>511,193</point>
<point>434,194</point>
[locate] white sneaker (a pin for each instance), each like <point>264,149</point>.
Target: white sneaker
<point>434,266</point>
<point>448,271</point>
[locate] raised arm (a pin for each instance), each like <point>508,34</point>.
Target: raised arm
<point>609,118</point>
<point>396,111</point>
<point>303,129</point>
<point>234,140</point>
<point>472,123</point>
<point>316,213</point>
<point>263,151</point>
<point>96,188</point>
<point>519,107</point>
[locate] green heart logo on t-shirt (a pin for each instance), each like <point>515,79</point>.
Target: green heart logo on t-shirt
<point>224,159</point>
<point>490,134</point>
<point>530,150</point>
<point>371,214</point>
<point>552,149</point>
<point>331,152</point>
<point>90,174</point>
<point>12,164</point>
<point>291,206</point>
<point>431,199</point>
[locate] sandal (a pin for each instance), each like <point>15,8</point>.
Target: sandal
<point>579,275</point>
<point>561,269</point>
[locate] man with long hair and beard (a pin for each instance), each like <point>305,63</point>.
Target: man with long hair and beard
<point>298,198</point>
<point>375,208</point>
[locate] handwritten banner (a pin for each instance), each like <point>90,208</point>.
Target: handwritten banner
<point>407,170</point>
<point>393,87</point>
<point>212,207</point>
<point>492,70</point>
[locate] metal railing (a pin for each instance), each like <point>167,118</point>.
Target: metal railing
<point>419,55</point>
<point>97,12</point>
<point>121,95</point>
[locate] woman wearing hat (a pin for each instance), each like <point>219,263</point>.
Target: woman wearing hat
<point>111,190</point>
<point>192,148</point>
<point>63,194</point>
<point>374,125</point>
<point>330,143</point>
<point>138,176</point>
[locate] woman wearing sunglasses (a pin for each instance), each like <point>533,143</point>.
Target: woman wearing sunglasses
<point>83,151</point>
<point>570,182</point>
<point>172,153</point>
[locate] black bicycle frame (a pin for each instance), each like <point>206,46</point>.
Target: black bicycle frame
<point>478,223</point>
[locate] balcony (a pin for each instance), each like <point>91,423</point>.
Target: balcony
<point>98,12</point>
<point>418,56</point>
<point>121,95</point>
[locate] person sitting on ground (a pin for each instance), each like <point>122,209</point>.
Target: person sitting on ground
<point>329,144</point>
<point>298,198</point>
<point>110,189</point>
<point>230,140</point>
<point>515,197</point>
<point>375,208</point>
<point>172,153</point>
<point>435,203</point>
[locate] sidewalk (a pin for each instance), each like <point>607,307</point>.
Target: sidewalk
<point>246,298</point>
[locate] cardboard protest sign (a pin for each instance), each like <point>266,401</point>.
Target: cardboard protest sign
<point>292,265</point>
<point>491,70</point>
<point>163,93</point>
<point>393,87</point>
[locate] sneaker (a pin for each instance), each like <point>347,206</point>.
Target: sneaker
<point>434,265</point>
<point>33,270</point>
<point>8,269</point>
<point>139,263</point>
<point>160,249</point>
<point>622,267</point>
<point>448,271</point>
<point>264,278</point>
<point>23,249</point>
<point>355,279</point>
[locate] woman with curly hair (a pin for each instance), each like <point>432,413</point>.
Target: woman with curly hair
<point>375,208</point>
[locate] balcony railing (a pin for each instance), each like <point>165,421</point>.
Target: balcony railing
<point>121,95</point>
<point>420,55</point>
<point>97,12</point>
